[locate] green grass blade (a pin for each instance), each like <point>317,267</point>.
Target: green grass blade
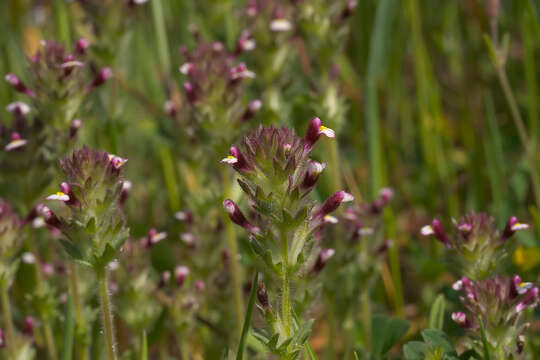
<point>69,331</point>
<point>161,36</point>
<point>144,346</point>
<point>247,319</point>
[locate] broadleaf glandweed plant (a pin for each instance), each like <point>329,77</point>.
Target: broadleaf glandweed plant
<point>278,176</point>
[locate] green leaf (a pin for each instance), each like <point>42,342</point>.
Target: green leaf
<point>415,350</point>
<point>144,347</point>
<point>387,332</point>
<point>69,330</point>
<point>436,314</point>
<point>72,250</point>
<point>438,339</point>
<point>247,320</point>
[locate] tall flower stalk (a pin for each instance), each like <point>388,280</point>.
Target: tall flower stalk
<point>278,176</point>
<point>91,218</point>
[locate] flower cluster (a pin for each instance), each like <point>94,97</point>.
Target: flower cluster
<point>479,245</point>
<point>278,176</point>
<point>46,127</point>
<point>497,304</point>
<point>90,214</point>
<point>214,83</point>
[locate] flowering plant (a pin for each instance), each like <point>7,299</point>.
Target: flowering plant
<point>278,176</point>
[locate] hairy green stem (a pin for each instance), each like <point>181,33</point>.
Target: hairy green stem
<point>8,321</point>
<point>77,305</point>
<point>233,248</point>
<point>106,314</point>
<point>286,300</point>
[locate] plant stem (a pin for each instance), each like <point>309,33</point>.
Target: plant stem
<point>366,317</point>
<point>285,300</point>
<point>233,248</point>
<point>8,322</point>
<point>77,305</point>
<point>106,314</point>
<point>51,348</point>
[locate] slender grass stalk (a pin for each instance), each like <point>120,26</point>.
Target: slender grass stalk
<point>69,331</point>
<point>379,40</point>
<point>49,339</point>
<point>7,316</point>
<point>77,305</point>
<point>161,35</point>
<point>247,320</point>
<point>366,317</point>
<point>233,248</point>
<point>106,314</point>
<point>516,117</point>
<point>335,161</point>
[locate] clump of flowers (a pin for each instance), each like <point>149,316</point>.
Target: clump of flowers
<point>89,213</point>
<point>278,176</point>
<point>46,126</point>
<point>215,103</point>
<point>479,246</point>
<point>496,307</point>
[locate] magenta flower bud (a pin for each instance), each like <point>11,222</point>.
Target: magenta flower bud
<point>333,202</point>
<point>200,285</point>
<point>16,142</point>
<point>385,195</point>
<point>252,9</point>
<point>126,188</point>
<point>530,300</point>
<point>236,159</point>
<point>252,108</point>
<point>237,217</point>
<point>170,108</point>
<point>18,85</point>
<point>186,216</point>
<point>74,127</point>
<point>314,170</point>
<point>322,259</point>
<point>164,279</point>
<point>66,189</point>
<point>18,108</point>
<point>187,68</point>
<point>189,239</point>
<point>29,325</point>
<point>512,225</point>
<point>314,131</point>
<point>49,216</point>
<point>436,229</point>
<point>190,93</point>
<point>81,46</point>
<point>262,296</point>
<point>240,72</point>
<point>180,274</point>
<point>245,43</point>
<point>102,76</point>
<point>461,319</point>
<point>2,339</point>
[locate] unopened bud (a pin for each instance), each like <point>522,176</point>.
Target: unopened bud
<point>180,274</point>
<point>322,259</point>
<point>237,217</point>
<point>262,295</point>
